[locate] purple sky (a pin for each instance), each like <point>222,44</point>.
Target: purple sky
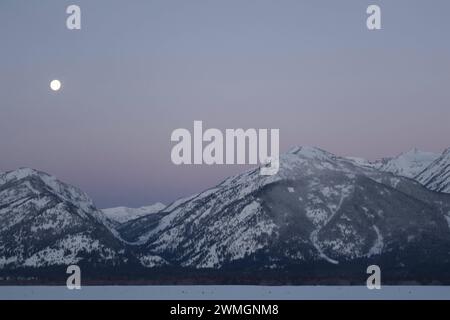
<point>140,69</point>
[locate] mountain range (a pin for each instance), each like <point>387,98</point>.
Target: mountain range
<point>321,219</point>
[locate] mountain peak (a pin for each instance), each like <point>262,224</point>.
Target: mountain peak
<point>38,182</point>
<point>21,173</point>
<point>311,152</point>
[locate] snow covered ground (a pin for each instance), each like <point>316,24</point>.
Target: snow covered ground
<point>227,293</point>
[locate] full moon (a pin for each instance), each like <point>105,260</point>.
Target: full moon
<point>55,85</point>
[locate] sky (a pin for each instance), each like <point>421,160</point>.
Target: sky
<point>137,70</point>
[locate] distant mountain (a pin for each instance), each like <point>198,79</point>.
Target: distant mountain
<point>408,164</point>
<point>437,175</point>
<point>124,214</point>
<point>44,222</point>
<point>362,162</point>
<point>320,209</point>
<point>430,169</point>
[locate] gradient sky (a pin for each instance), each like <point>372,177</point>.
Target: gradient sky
<point>140,69</point>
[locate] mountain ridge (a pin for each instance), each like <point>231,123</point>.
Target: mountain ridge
<point>408,164</point>
<point>437,175</point>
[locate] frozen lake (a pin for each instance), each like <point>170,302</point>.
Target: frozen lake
<point>225,292</point>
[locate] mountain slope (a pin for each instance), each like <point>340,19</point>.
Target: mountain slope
<point>408,164</point>
<point>319,208</point>
<point>124,214</point>
<point>44,222</point>
<point>437,175</point>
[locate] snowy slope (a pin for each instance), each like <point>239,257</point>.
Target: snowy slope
<point>319,207</point>
<point>408,164</point>
<point>362,162</point>
<point>45,222</point>
<point>437,175</point>
<point>124,214</point>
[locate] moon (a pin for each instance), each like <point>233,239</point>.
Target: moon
<point>55,85</point>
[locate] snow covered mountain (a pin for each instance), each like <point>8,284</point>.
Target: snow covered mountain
<point>319,209</point>
<point>408,164</point>
<point>437,175</point>
<point>362,162</point>
<point>430,169</point>
<point>44,222</point>
<point>320,217</point>
<point>124,214</point>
